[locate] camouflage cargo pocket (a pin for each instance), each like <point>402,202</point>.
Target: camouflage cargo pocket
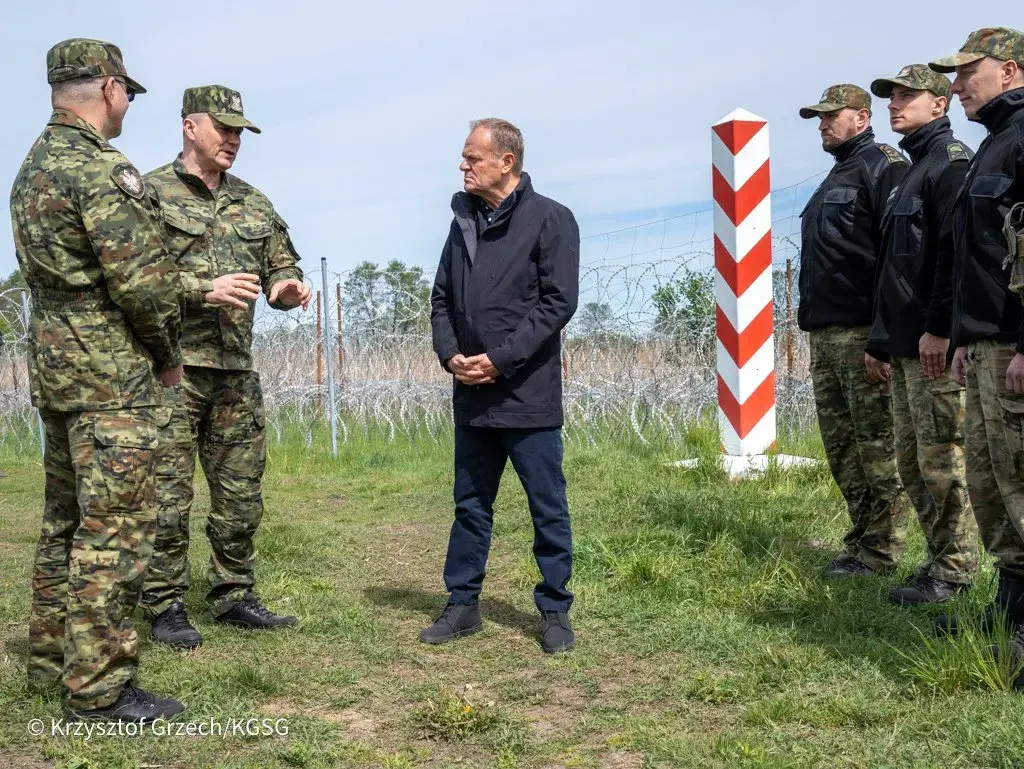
<point>1013,430</point>
<point>123,464</point>
<point>948,413</point>
<point>1013,230</point>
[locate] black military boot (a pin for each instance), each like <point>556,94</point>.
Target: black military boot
<point>926,590</point>
<point>250,613</point>
<point>1009,602</point>
<point>458,620</point>
<point>133,704</point>
<point>173,628</point>
<point>555,632</point>
<point>846,568</point>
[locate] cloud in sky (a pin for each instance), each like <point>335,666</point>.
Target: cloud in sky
<point>365,108</point>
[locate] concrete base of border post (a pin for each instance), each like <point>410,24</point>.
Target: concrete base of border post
<point>753,465</point>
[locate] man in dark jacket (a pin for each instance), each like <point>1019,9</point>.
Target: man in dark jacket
<point>841,231</point>
<point>987,319</point>
<point>913,332</point>
<point>507,284</point>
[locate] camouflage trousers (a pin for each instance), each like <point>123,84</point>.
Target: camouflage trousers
<point>856,423</point>
<point>929,418</point>
<point>219,415</point>
<point>99,521</point>
<point>995,454</point>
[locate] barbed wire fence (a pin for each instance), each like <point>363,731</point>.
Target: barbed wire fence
<point>639,357</point>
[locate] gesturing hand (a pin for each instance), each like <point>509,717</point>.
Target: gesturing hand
<point>234,290</point>
<point>172,376</point>
<point>1015,375</point>
<point>290,293</point>
<point>959,366</point>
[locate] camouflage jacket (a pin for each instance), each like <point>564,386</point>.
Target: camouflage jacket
<point>233,228</point>
<point>105,295</point>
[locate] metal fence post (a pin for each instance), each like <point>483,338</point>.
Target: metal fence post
<point>39,419</point>
<point>329,358</point>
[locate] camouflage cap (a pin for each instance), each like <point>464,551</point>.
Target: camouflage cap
<point>916,77</point>
<point>81,57</point>
<point>837,97</point>
<point>1000,43</point>
<point>224,104</point>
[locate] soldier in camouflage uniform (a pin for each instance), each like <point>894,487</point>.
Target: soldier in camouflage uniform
<point>214,222</point>
<point>105,317</point>
<point>988,322</point>
<point>909,340</point>
<point>841,239</point>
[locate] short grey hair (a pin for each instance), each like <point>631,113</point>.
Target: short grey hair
<point>77,91</point>
<point>505,137</point>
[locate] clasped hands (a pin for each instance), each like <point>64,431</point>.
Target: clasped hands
<point>474,370</point>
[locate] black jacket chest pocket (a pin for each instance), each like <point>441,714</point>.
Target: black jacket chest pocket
<point>986,193</point>
<point>908,225</point>
<point>838,211</point>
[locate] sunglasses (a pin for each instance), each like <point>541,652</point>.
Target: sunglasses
<point>129,91</point>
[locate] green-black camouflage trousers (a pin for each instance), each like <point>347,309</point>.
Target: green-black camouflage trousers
<point>855,419</point>
<point>929,416</point>
<point>218,414</point>
<point>995,454</point>
<point>99,522</point>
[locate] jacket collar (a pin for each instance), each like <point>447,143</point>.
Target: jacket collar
<point>921,142</point>
<point>852,146</point>
<point>465,204</point>
<point>228,183</point>
<point>67,118</point>
<point>998,112</point>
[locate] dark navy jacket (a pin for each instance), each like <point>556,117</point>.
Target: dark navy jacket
<point>507,289</point>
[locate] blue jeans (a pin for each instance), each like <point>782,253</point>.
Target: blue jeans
<point>480,456</point>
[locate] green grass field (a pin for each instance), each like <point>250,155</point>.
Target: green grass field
<point>706,636</point>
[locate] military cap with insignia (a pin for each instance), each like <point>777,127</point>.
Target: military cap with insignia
<point>81,57</point>
<point>224,104</point>
<point>838,97</point>
<point>916,77</point>
<point>1000,43</point>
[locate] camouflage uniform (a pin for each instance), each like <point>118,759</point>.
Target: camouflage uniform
<point>218,409</point>
<point>929,418</point>
<point>840,243</point>
<point>105,314</point>
<point>856,423</point>
<point>913,283</point>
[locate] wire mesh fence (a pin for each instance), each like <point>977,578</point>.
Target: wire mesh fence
<point>639,357</point>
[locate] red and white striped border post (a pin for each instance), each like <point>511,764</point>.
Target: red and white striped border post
<point>743,283</point>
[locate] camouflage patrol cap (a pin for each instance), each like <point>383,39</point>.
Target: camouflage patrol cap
<point>916,77</point>
<point>224,104</point>
<point>1000,43</point>
<point>81,57</point>
<point>837,97</point>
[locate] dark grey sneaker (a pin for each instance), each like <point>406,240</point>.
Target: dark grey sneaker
<point>172,627</point>
<point>251,613</point>
<point>847,569</point>
<point>458,620</point>
<point>555,632</point>
<point>132,705</point>
<point>926,590</point>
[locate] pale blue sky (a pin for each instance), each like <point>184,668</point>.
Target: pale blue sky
<point>365,107</point>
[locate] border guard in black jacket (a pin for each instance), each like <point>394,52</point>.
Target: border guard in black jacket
<point>988,322</point>
<point>507,284</point>
<point>841,231</point>
<point>912,330</point>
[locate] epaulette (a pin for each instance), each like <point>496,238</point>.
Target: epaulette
<point>891,154</point>
<point>956,151</point>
